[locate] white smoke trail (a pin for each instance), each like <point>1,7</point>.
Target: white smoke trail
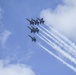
<point>53,45</point>
<point>59,41</point>
<point>57,57</point>
<point>64,38</point>
<point>71,46</point>
<point>51,37</point>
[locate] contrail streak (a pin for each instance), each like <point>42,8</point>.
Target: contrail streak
<point>53,45</point>
<point>51,37</point>
<point>57,57</point>
<point>65,39</point>
<point>59,41</point>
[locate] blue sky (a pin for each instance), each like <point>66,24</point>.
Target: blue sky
<point>15,45</point>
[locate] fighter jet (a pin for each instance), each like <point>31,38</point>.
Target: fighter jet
<point>33,38</point>
<point>31,21</point>
<point>36,29</point>
<point>41,20</point>
<point>33,30</point>
<point>36,22</point>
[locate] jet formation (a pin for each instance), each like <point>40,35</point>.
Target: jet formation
<point>34,29</point>
<point>36,22</point>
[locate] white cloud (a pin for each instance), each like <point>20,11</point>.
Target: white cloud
<point>15,69</point>
<point>4,37</point>
<point>63,18</point>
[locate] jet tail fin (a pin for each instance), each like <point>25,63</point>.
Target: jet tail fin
<point>28,19</point>
<point>29,36</point>
<point>28,27</point>
<point>38,18</point>
<point>32,19</point>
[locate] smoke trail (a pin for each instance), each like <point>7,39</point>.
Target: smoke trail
<point>65,39</point>
<point>51,37</point>
<point>68,65</point>
<point>59,41</point>
<point>58,49</point>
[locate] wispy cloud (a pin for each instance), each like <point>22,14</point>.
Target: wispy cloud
<point>4,37</point>
<point>14,69</point>
<point>62,18</point>
<point>4,34</point>
<point>25,57</point>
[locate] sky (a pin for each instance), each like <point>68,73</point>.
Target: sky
<point>20,56</point>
